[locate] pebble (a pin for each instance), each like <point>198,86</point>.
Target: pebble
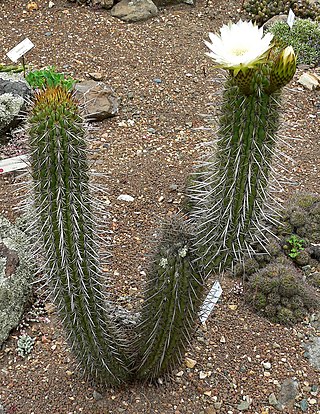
<point>243,406</point>
<point>272,399</point>
<point>304,405</point>
<point>157,80</point>
<point>190,363</point>
<point>2,409</point>
<point>266,365</point>
<point>97,396</point>
<point>125,197</point>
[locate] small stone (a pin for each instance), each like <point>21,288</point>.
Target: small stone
<point>49,308</point>
<point>173,187</point>
<point>190,363</point>
<point>273,400</point>
<point>125,197</point>
<point>2,409</point>
<point>266,365</point>
<point>69,373</point>
<point>304,405</point>
<point>97,396</point>
<point>203,375</point>
<point>179,374</point>
<point>160,199</point>
<point>223,339</point>
<point>208,393</point>
<point>157,80</point>
<point>217,405</point>
<point>313,401</point>
<point>97,76</point>
<point>309,80</point>
<point>244,405</point>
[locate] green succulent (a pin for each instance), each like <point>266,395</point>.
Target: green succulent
<point>304,37</point>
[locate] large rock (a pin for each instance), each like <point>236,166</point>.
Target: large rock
<point>15,277</point>
<point>134,10</point>
<point>98,99</point>
<point>14,92</point>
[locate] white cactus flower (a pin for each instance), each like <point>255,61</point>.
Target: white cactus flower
<point>239,46</point>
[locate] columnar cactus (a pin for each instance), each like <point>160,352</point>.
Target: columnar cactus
<point>171,304</point>
<point>231,192</point>
<point>63,204</point>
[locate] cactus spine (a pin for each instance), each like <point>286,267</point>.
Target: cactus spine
<point>231,192</point>
<point>63,202</point>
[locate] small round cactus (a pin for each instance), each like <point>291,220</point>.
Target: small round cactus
<point>279,292</point>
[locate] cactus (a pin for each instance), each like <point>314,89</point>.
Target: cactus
<point>171,304</point>
<point>100,337</point>
<point>62,200</point>
<point>230,195</point>
<point>279,292</point>
<point>261,11</point>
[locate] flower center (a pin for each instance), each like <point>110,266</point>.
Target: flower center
<point>239,51</point>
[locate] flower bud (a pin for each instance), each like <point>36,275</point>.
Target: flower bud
<point>283,69</point>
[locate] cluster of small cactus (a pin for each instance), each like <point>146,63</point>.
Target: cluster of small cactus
<point>261,11</point>
<point>292,260</point>
<point>301,216</point>
<point>25,345</point>
<point>279,292</point>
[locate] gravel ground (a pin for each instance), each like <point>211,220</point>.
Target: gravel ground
<point>168,90</point>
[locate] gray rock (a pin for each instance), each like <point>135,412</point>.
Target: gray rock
<point>2,409</point>
<point>14,91</point>
<point>98,99</point>
<point>313,349</point>
<point>97,396</point>
<point>134,10</point>
<point>15,277</point>
<point>273,20</point>
<point>288,392</point>
<point>105,4</point>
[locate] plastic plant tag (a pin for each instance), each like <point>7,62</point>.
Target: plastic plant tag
<point>13,164</point>
<point>210,301</point>
<point>291,17</point>
<point>19,50</point>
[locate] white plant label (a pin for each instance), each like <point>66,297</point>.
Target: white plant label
<point>19,50</point>
<point>13,164</point>
<point>291,17</point>
<point>210,301</point>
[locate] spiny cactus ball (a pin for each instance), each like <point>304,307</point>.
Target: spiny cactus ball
<point>279,293</point>
<point>261,11</point>
<point>301,216</point>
